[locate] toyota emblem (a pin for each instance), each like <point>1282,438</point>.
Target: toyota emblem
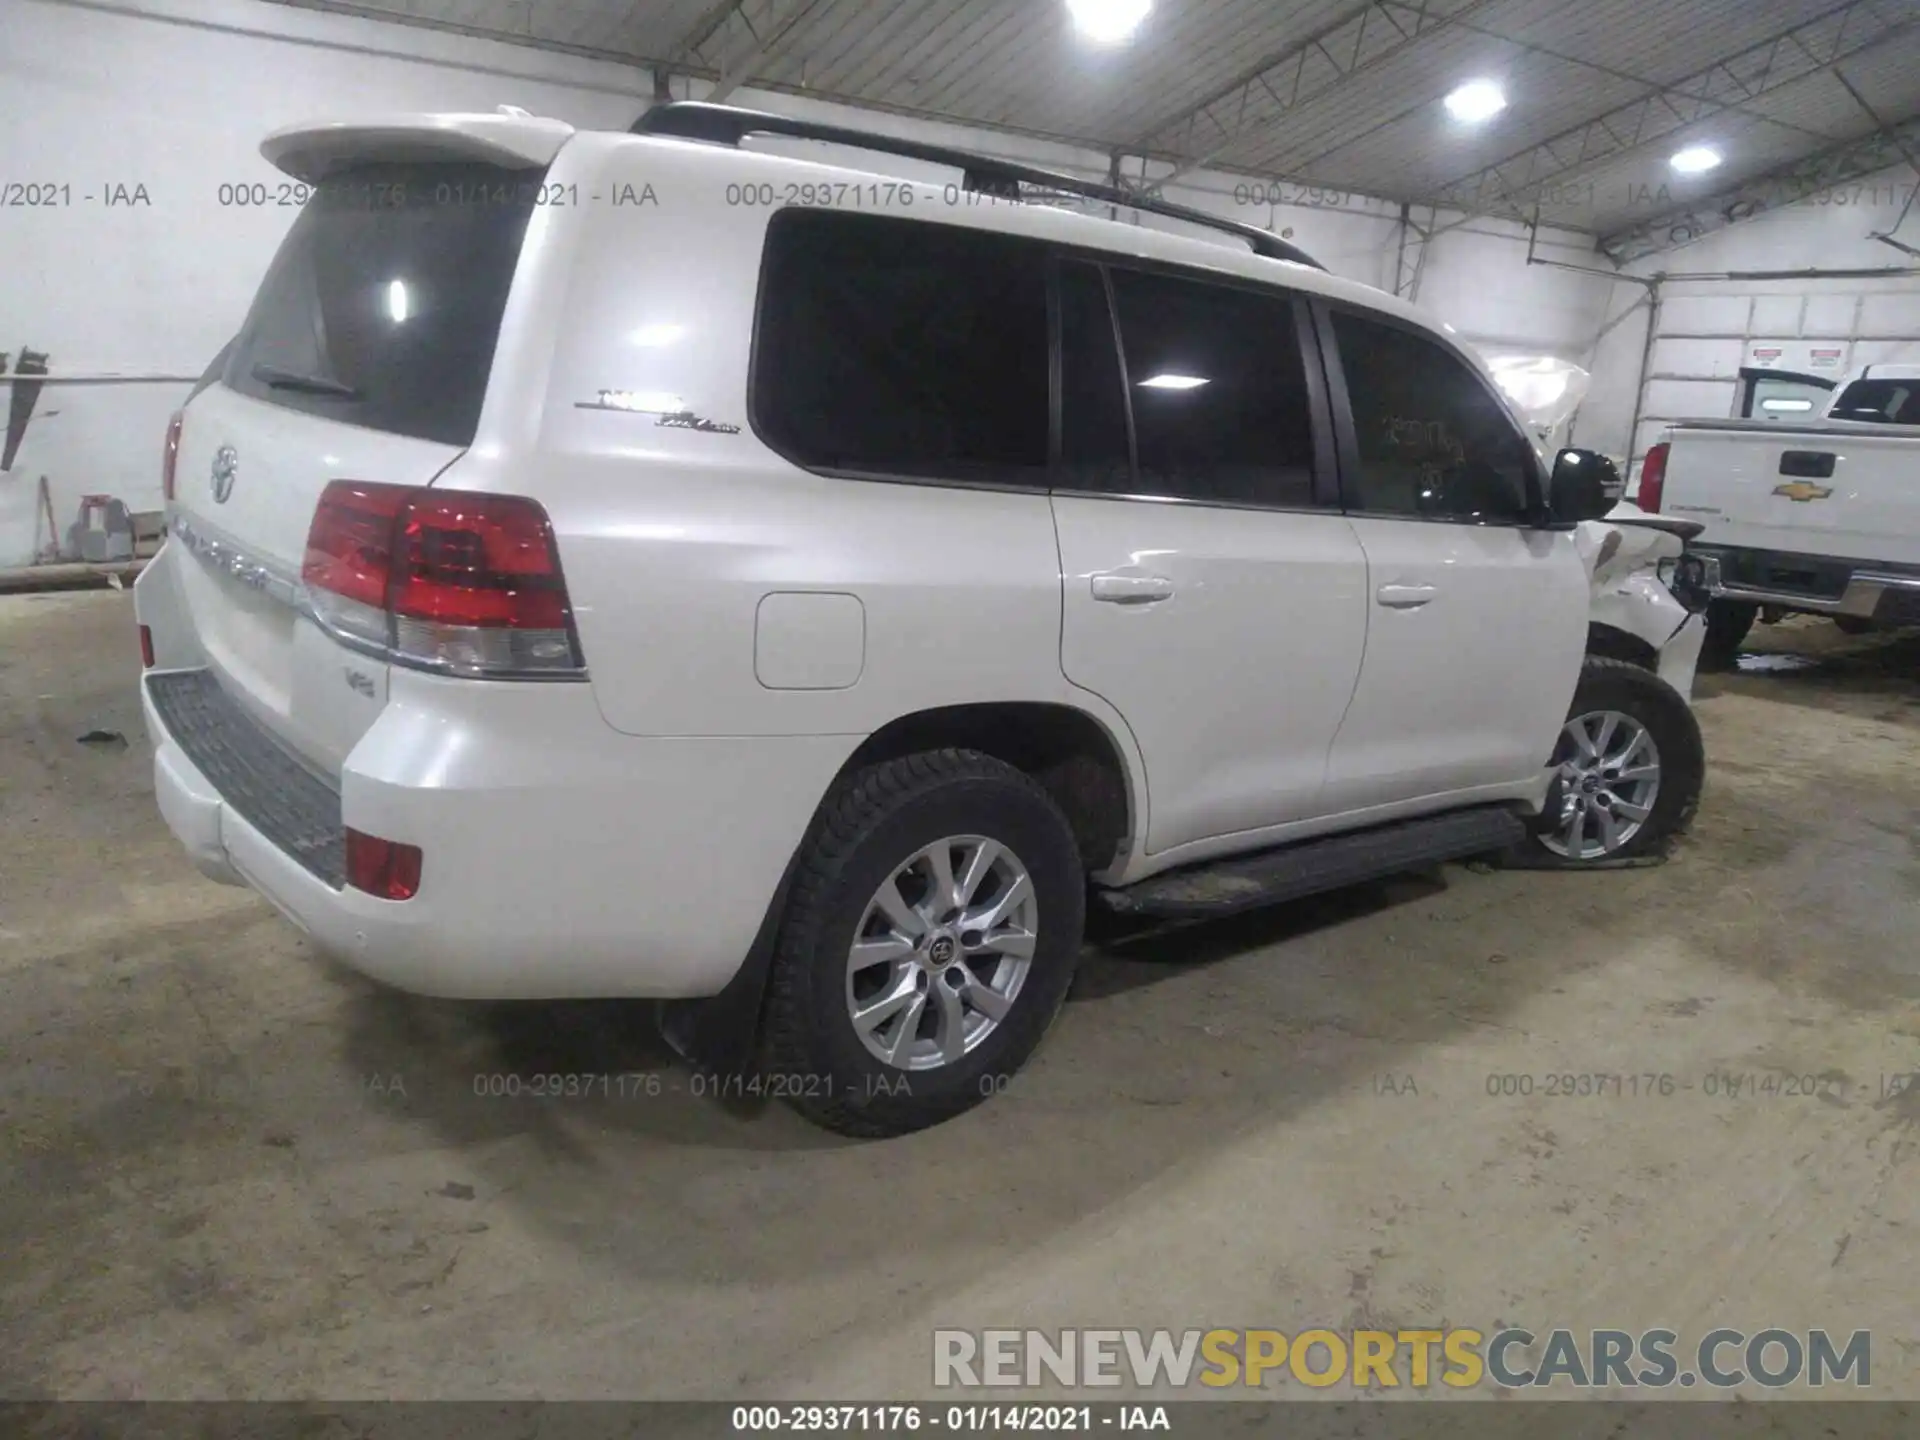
<point>226,465</point>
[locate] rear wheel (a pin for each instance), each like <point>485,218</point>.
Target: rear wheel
<point>1630,765</point>
<point>928,944</point>
<point>1728,622</point>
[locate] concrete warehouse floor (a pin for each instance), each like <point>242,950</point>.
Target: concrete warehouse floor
<point>227,1170</point>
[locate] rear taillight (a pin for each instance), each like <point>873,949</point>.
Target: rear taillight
<point>446,580</point>
<point>170,461</point>
<point>1653,479</point>
<point>146,647</point>
<point>349,558</point>
<point>382,867</point>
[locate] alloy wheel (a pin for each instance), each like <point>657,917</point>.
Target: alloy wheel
<point>941,952</point>
<point>1609,771</point>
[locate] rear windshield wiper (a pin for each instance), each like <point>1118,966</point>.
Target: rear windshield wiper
<point>280,379</point>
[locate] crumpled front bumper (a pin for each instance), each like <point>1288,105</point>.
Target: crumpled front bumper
<point>1640,604</point>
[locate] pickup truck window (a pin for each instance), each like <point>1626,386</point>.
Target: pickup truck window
<point>1885,402</point>
<point>1786,397</point>
<point>1434,443</point>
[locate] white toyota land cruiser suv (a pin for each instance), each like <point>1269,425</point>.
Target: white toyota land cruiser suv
<point>657,565</point>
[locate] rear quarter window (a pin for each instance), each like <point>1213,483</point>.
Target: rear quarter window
<point>896,347</point>
<point>382,308</point>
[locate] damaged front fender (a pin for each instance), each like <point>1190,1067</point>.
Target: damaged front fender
<point>1630,599</point>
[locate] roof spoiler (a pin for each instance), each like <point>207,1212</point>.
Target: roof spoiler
<point>518,141</point>
<point>728,125</point>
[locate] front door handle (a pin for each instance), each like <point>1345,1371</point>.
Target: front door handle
<point>1119,589</point>
<point>1405,597</point>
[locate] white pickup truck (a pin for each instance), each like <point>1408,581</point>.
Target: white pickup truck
<point>1818,518</point>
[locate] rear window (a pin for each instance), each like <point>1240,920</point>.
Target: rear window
<point>1887,402</point>
<point>383,305</point>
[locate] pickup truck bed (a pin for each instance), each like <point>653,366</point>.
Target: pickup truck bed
<point>1821,517</point>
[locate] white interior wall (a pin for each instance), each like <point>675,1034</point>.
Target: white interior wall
<point>1714,315</point>
<point>172,97</point>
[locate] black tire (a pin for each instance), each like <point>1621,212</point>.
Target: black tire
<point>873,823</point>
<point>1852,624</point>
<point>1619,686</point>
<point>1728,622</point>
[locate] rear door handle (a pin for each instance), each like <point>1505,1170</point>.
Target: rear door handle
<point>1119,589</point>
<point>1405,597</point>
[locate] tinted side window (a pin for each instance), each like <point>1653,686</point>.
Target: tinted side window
<point>1433,440</point>
<point>904,348</point>
<point>1220,402</point>
<point>1094,453</point>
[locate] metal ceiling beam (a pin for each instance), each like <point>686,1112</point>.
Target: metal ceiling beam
<point>1410,258</point>
<point>1613,73</point>
<point>1784,185</point>
<point>386,16</point>
<point>710,24</point>
<point>1906,152</point>
<point>714,42</point>
<point>1782,59</point>
<point>1362,38</point>
<point>1526,47</point>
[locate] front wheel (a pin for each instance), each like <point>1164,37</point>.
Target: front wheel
<point>1629,763</point>
<point>928,943</point>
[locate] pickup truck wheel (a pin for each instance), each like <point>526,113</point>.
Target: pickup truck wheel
<point>928,944</point>
<point>1728,622</point>
<point>1630,764</point>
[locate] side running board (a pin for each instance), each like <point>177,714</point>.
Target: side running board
<point>1272,877</point>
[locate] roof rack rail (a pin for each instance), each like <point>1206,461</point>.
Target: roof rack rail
<point>729,125</point>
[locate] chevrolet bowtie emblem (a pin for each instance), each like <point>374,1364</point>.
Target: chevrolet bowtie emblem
<point>1800,490</point>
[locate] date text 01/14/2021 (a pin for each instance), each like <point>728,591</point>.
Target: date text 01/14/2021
<point>1714,1084</point>
<point>652,1084</point>
<point>958,1419</point>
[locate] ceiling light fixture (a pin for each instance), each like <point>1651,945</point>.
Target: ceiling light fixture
<point>1475,101</point>
<point>1108,21</point>
<point>1695,160</point>
<point>1170,381</point>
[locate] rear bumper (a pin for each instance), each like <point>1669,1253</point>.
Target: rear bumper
<point>562,860</point>
<point>1818,585</point>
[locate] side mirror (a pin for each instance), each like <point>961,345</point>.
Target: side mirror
<point>1585,485</point>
